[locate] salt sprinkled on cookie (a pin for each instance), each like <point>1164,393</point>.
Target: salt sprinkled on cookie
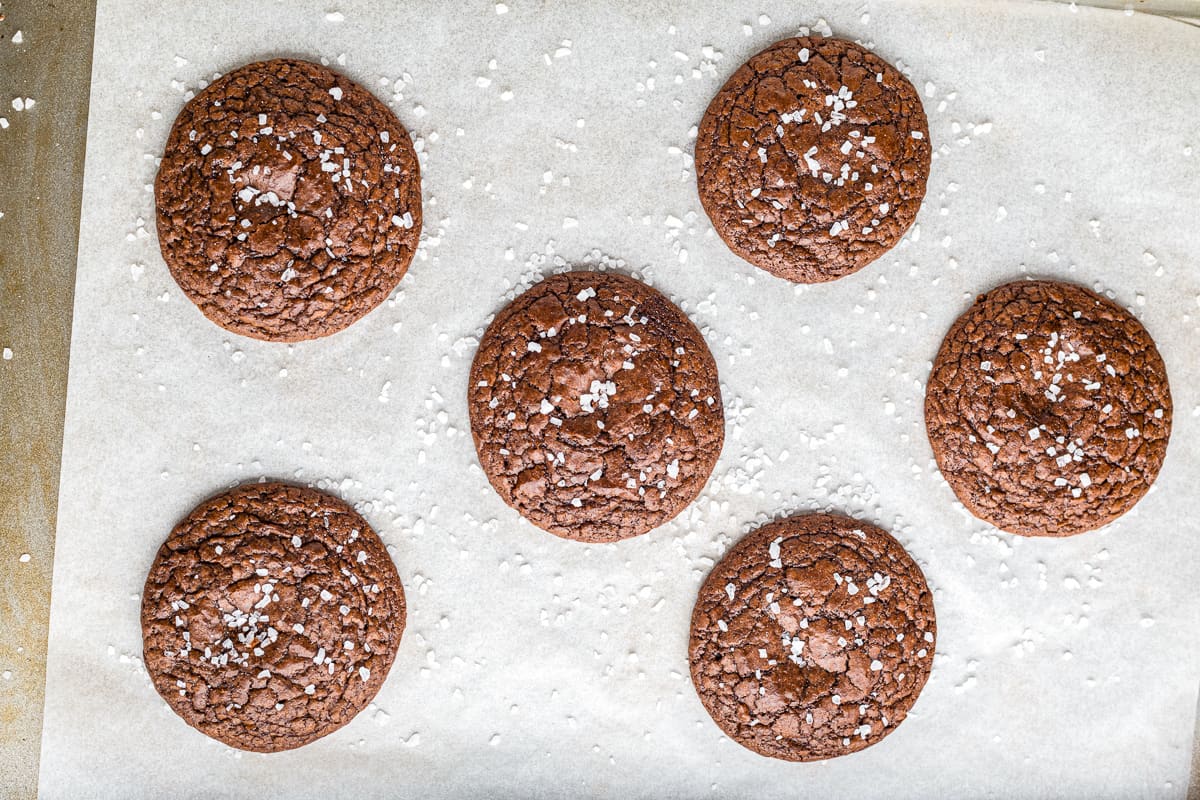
<point>288,201</point>
<point>595,407</point>
<point>812,160</point>
<point>812,638</point>
<point>271,616</point>
<point>1048,409</point>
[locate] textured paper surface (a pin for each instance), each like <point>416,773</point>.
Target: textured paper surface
<point>542,668</point>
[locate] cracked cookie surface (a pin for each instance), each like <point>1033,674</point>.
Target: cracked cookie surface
<point>271,616</point>
<point>811,161</point>
<point>288,201</point>
<point>812,638</point>
<point>595,407</point>
<point>1048,409</point>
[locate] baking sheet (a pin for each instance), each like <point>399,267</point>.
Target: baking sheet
<point>557,135</point>
<point>41,159</point>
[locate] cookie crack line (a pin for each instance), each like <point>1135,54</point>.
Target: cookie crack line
<point>595,406</point>
<point>288,201</point>
<point>1048,409</point>
<point>812,159</point>
<point>271,616</point>
<point>812,638</point>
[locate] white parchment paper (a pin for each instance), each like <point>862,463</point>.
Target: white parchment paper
<point>560,133</point>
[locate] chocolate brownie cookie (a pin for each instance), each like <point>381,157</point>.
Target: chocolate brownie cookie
<point>271,616</point>
<point>595,407</point>
<point>812,638</point>
<point>288,201</point>
<point>812,159</point>
<point>1048,409</point>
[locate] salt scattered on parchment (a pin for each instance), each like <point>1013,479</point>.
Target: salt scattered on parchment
<point>823,390</point>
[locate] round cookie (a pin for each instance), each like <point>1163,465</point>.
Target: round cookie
<point>595,407</point>
<point>1048,409</point>
<point>271,616</point>
<point>288,201</point>
<point>812,638</point>
<point>811,160</point>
